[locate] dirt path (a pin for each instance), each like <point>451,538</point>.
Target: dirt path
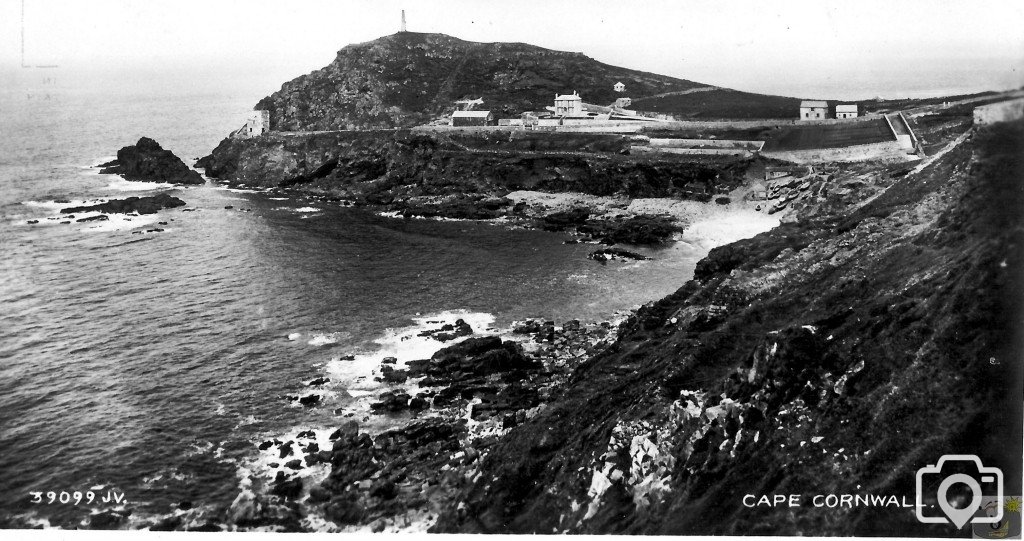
<point>680,92</point>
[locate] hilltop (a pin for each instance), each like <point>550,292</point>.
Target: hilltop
<point>411,78</point>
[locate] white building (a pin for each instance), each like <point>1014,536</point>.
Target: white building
<point>846,110</point>
<point>472,118</point>
<point>257,124</point>
<point>813,110</point>
<point>619,87</point>
<point>569,105</point>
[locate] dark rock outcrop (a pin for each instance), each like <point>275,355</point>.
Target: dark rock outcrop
<point>467,176</point>
<point>147,161</point>
<point>139,205</point>
<point>836,355</point>
<point>473,357</point>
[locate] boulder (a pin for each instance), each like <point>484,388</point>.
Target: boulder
<point>390,375</point>
<point>348,430</point>
<point>100,218</point>
<point>107,520</point>
<point>286,488</point>
<point>344,511</point>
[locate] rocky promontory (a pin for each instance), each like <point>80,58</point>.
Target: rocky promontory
<point>467,176</point>
<point>147,161</point>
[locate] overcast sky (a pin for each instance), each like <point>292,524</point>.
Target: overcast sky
<point>799,48</point>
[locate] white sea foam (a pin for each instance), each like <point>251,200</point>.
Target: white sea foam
<point>717,231</point>
<point>307,209</point>
<point>116,222</point>
<point>323,339</point>
<point>405,345</point>
<point>396,214</point>
<point>54,205</point>
<point>350,379</point>
<point>119,184</point>
<point>245,421</point>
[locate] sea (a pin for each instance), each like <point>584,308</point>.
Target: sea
<point>143,359</point>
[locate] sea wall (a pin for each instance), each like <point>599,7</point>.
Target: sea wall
<point>872,151</point>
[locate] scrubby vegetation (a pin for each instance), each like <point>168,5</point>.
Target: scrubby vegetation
<point>835,355</point>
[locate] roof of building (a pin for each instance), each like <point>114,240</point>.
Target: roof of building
<point>568,97</point>
<point>813,103</point>
<point>846,108</point>
<point>471,114</point>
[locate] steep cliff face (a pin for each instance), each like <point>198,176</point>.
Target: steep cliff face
<point>836,355</point>
<point>411,78</point>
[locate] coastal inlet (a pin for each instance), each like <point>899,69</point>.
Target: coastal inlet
<point>173,345</point>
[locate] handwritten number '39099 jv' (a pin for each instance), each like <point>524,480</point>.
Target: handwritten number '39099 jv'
<point>76,497</point>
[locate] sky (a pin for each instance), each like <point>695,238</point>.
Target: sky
<point>819,48</point>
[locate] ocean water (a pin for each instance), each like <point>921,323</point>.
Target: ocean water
<point>151,364</point>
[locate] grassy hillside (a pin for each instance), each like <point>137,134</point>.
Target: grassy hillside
<point>720,103</point>
<point>410,78</point>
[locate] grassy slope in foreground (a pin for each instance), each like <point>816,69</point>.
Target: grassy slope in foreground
<point>836,355</point>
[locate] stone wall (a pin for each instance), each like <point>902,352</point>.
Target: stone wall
<point>748,124</point>
<point>884,150</point>
<point>733,144</point>
<point>640,149</point>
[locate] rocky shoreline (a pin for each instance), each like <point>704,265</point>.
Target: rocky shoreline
<point>448,411</point>
<point>809,344</point>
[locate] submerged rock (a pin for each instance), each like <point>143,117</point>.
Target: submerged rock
<point>100,218</point>
<point>610,254</point>
<point>141,205</point>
